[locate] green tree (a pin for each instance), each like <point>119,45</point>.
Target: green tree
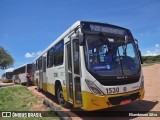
<point>6,59</point>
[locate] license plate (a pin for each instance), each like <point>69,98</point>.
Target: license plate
<point>123,102</point>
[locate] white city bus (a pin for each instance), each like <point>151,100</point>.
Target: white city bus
<point>21,72</point>
<point>93,66</point>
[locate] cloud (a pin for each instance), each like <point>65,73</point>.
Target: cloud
<point>153,51</point>
<point>157,45</point>
<point>33,54</point>
<point>145,34</point>
<point>9,70</point>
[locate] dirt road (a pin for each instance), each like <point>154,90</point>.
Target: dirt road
<point>151,101</point>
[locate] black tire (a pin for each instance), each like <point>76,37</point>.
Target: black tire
<point>61,99</point>
<point>27,84</point>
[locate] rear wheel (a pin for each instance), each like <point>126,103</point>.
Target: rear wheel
<point>61,99</point>
<point>27,84</point>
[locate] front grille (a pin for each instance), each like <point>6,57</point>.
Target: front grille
<point>117,100</point>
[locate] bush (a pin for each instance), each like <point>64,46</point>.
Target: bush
<point>151,59</point>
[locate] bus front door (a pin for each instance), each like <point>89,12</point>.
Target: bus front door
<point>73,79</point>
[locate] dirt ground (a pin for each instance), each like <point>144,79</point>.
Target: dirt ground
<point>151,101</point>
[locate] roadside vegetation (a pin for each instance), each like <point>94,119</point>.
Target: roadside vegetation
<point>150,60</point>
<point>6,60</point>
<point>19,98</point>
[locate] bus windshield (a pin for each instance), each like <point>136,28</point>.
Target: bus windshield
<point>111,56</point>
<point>9,75</point>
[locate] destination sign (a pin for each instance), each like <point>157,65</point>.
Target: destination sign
<point>106,29</point>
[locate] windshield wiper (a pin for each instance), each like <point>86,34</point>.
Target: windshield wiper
<point>124,49</point>
<point>125,45</point>
<point>120,63</point>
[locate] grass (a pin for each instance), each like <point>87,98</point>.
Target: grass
<point>19,98</point>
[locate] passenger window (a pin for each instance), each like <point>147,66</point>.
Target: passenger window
<point>44,64</point>
<point>50,58</point>
<point>36,65</point>
<point>59,51</point>
<point>40,64</point>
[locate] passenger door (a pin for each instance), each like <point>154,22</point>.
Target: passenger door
<point>73,78</point>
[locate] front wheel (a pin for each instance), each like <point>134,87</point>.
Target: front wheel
<point>61,99</point>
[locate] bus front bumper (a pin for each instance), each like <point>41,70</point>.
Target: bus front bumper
<point>95,102</point>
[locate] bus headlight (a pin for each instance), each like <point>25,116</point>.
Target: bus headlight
<point>93,87</point>
<point>142,82</point>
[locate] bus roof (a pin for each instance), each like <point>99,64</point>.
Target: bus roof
<point>21,66</point>
<point>69,30</point>
<point>72,28</point>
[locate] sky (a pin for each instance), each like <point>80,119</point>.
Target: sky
<point>27,27</point>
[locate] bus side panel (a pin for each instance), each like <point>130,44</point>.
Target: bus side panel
<point>49,81</point>
<point>50,88</point>
<point>44,86</point>
<point>22,77</point>
<point>53,74</point>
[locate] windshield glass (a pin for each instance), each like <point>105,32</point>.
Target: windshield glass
<point>111,56</point>
<point>9,75</point>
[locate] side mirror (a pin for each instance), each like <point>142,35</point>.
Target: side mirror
<point>140,55</point>
<point>139,52</point>
<point>136,41</point>
<point>126,38</point>
<point>81,39</point>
